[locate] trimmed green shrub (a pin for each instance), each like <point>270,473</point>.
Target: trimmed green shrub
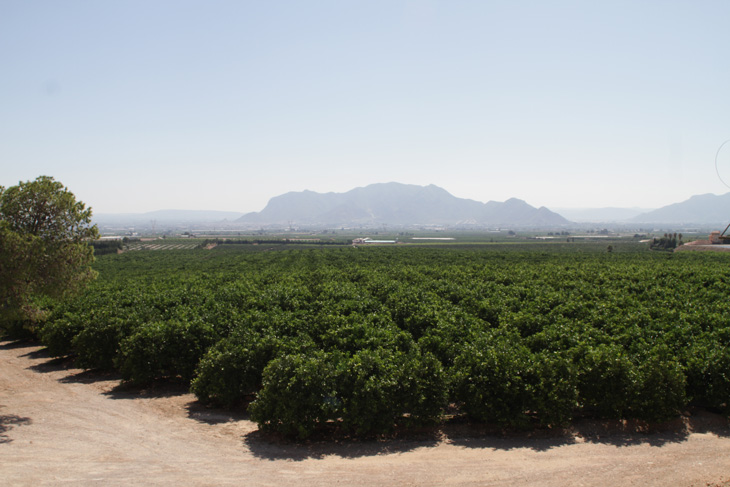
<point>57,335</point>
<point>553,388</point>
<point>370,393</point>
<point>383,389</point>
<point>607,381</point>
<point>446,338</point>
<point>299,393</point>
<point>164,349</point>
<point>97,344</point>
<point>660,393</point>
<point>361,332</point>
<point>708,374</point>
<point>492,377</point>
<point>233,368</point>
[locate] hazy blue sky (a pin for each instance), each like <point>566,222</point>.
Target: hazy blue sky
<point>156,104</point>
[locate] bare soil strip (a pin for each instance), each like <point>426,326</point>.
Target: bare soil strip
<point>63,426</point>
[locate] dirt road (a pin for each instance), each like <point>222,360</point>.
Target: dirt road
<point>64,426</point>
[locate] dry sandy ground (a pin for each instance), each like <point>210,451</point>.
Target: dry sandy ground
<point>64,426</point>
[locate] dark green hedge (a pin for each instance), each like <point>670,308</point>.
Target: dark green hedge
<point>369,340</point>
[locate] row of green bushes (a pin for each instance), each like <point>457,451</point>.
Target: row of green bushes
<point>272,241</point>
<point>369,340</point>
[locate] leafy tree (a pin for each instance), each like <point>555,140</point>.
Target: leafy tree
<point>44,249</point>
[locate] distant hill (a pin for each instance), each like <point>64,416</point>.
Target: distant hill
<point>600,215</point>
<point>398,204</point>
<point>166,217</point>
<point>700,209</point>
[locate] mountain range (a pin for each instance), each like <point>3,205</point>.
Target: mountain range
<point>699,209</point>
<point>398,204</point>
<point>404,204</point>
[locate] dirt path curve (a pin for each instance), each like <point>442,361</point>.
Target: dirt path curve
<point>63,426</point>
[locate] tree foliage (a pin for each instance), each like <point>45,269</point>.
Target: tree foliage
<point>44,248</point>
<point>372,340</point>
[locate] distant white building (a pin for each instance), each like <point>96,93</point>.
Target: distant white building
<point>367,240</point>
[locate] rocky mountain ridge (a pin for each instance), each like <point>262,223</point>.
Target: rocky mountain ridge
<point>398,204</point>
